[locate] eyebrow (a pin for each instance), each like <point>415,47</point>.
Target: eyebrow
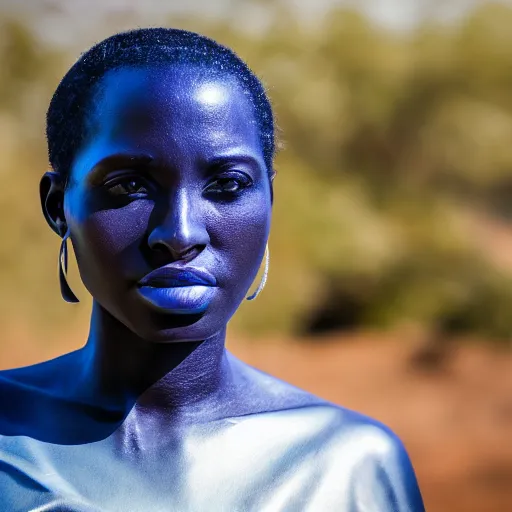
<point>117,161</point>
<point>120,161</point>
<point>233,159</point>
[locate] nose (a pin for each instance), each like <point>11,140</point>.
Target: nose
<point>180,231</point>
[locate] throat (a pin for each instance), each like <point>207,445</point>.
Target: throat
<point>118,369</point>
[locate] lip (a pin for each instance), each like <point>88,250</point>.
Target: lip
<point>172,276</point>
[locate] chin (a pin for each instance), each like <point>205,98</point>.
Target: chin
<point>156,325</point>
<point>170,328</point>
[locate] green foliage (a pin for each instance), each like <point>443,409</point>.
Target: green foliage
<point>397,155</point>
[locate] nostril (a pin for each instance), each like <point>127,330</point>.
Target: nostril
<point>191,253</point>
<point>186,255</point>
<point>160,248</point>
<point>167,250</point>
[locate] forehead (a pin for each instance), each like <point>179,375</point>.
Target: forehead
<point>182,103</point>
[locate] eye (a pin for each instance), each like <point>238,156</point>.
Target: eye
<point>127,186</point>
<point>229,184</point>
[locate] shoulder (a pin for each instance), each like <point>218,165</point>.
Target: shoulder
<point>52,377</point>
<point>288,403</point>
<point>20,386</point>
<point>41,375</point>
<point>338,424</point>
<point>382,473</point>
<point>357,462</point>
<point>28,393</point>
<point>374,437</point>
<point>359,457</point>
<point>18,400</point>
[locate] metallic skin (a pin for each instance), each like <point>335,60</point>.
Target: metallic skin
<point>313,458</point>
<point>153,413</point>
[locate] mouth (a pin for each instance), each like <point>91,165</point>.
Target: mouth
<point>173,276</point>
<point>178,290</point>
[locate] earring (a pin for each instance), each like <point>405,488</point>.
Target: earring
<point>65,290</point>
<point>264,278</point>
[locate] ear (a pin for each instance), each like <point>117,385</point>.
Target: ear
<point>51,191</point>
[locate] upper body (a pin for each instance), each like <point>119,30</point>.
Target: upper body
<point>161,144</point>
<point>295,452</point>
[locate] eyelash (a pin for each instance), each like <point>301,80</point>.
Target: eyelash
<point>118,183</point>
<point>243,183</point>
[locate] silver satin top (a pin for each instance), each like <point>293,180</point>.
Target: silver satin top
<point>314,458</point>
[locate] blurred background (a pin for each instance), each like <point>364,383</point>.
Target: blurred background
<point>390,283</point>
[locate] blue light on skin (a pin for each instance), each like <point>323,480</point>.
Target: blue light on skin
<point>182,132</point>
<point>171,170</point>
<point>153,413</point>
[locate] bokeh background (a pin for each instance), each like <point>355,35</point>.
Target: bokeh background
<point>390,283</point>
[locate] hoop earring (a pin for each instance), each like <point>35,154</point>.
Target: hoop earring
<point>65,290</point>
<point>264,278</point>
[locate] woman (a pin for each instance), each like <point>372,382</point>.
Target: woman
<point>161,144</point>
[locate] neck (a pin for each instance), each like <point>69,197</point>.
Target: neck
<point>120,369</point>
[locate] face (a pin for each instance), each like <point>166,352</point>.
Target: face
<point>170,177</point>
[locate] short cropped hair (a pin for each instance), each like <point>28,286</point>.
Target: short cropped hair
<point>66,119</point>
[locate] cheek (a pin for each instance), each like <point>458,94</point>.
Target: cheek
<point>241,231</point>
<point>109,240</point>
